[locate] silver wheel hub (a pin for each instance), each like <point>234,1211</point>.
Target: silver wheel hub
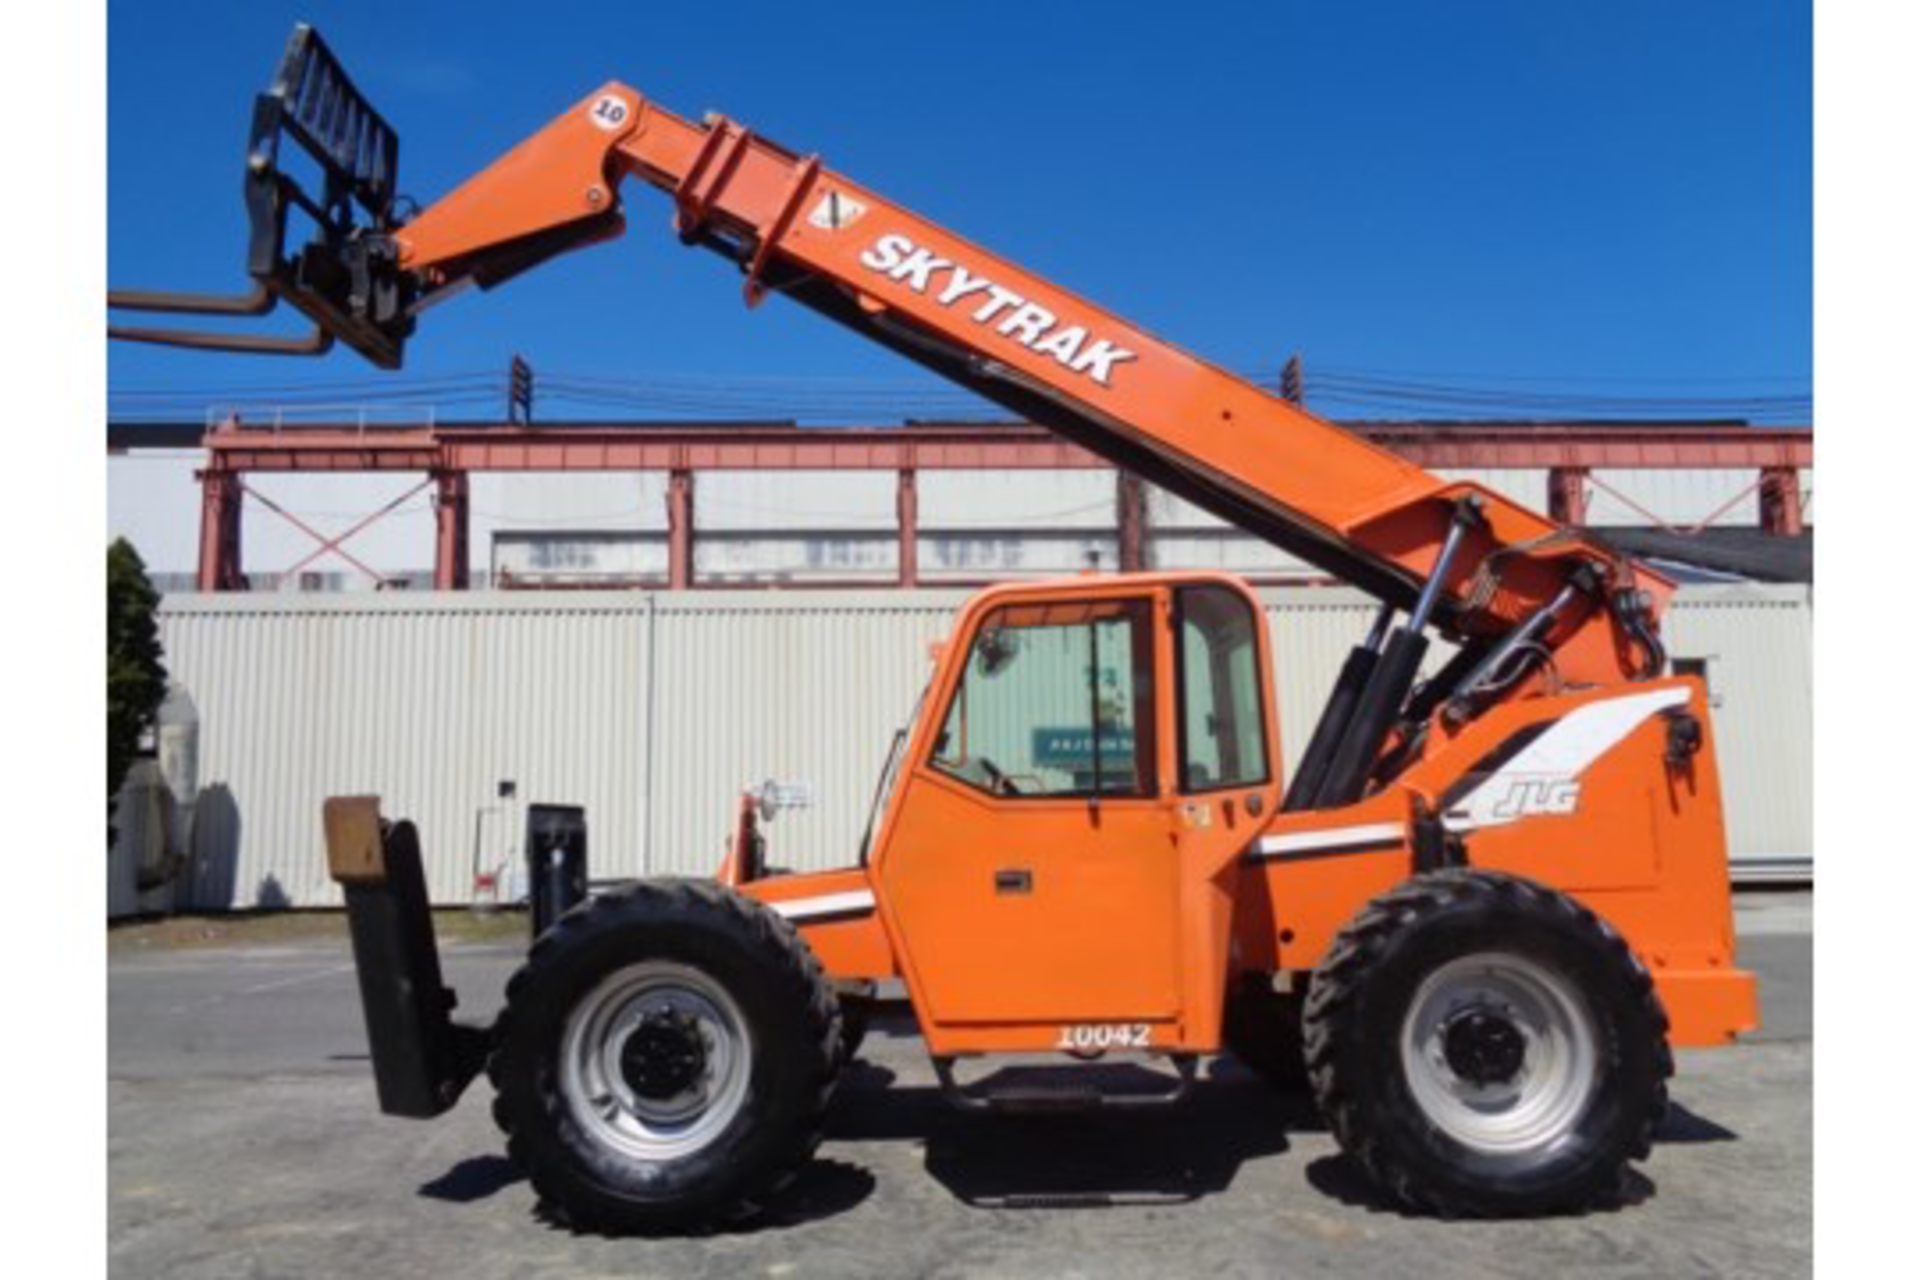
<point>655,1060</point>
<point>1500,1053</point>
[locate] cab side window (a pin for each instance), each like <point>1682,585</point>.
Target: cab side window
<point>1055,700</point>
<point>1223,734</point>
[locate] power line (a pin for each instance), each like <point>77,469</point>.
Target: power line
<point>826,397</point>
<point>1369,371</point>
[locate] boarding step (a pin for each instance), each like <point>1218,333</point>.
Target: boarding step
<point>1029,1089</point>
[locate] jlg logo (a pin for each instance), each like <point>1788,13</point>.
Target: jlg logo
<point>1527,797</point>
<point>1027,323</point>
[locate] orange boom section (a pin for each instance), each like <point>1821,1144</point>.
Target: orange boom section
<point>1262,463</point>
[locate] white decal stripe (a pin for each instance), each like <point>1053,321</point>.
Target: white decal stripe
<point>827,904</point>
<point>1585,735</point>
<point>1563,753</point>
<point>1330,838</point>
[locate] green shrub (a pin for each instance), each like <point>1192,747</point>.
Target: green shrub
<point>136,678</point>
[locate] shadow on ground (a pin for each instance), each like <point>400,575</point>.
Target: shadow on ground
<point>1076,1160</point>
<point>1683,1125</point>
<point>1340,1177</point>
<point>824,1189</point>
<point>473,1179</point>
<point>1087,1159</point>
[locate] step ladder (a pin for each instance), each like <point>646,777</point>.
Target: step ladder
<point>1028,1089</point>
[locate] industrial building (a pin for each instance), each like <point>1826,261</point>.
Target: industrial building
<point>645,619</point>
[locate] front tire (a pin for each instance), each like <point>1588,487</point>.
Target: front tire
<point>1485,1046</point>
<point>665,1059</point>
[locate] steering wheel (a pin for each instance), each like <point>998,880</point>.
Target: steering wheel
<point>999,781</point>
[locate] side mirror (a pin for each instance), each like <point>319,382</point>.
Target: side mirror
<point>775,798</point>
<point>995,651</point>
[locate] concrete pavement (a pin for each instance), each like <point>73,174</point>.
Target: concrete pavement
<point>245,1142</point>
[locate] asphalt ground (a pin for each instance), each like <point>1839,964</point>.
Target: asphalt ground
<point>244,1141</point>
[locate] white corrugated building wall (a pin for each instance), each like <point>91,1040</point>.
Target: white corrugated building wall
<point>654,710</point>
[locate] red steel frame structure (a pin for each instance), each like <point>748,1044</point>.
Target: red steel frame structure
<point>449,454</point>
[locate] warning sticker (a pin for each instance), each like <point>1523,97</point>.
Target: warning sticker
<point>836,211</point>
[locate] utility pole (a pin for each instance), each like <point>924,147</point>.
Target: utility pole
<point>1293,381</point>
<point>520,392</point>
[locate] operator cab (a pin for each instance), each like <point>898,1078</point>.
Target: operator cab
<point>1057,697</point>
<point>1096,749</point>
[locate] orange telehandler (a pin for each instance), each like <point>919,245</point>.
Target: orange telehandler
<point>1474,919</point>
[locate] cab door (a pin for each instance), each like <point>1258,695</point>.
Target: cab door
<point>1031,873</point>
<point>1224,772</point>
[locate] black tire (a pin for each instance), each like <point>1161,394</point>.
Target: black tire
<point>721,1010</point>
<point>1262,1030</point>
<point>1462,1118</point>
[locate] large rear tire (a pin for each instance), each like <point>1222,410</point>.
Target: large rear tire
<point>1485,1046</point>
<point>665,1059</point>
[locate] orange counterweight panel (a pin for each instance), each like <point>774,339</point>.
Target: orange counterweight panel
<point>1584,793</point>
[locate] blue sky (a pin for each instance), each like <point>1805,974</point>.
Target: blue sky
<point>1612,200</point>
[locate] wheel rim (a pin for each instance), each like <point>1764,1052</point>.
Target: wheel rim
<point>1499,1053</point>
<point>655,1061</point>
